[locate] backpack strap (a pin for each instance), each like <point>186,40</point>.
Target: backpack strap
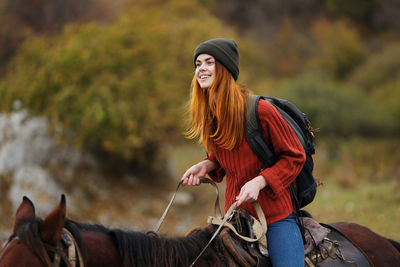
<point>292,115</point>
<point>257,143</point>
<point>254,133</point>
<point>255,138</point>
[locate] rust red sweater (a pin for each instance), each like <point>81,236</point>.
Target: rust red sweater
<point>241,165</point>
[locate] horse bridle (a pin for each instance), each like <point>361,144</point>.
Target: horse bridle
<point>73,253</point>
<point>72,258</point>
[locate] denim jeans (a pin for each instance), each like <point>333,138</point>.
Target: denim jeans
<point>285,244</point>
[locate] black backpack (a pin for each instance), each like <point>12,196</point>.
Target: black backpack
<point>304,188</point>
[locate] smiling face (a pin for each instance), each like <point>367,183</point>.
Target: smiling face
<point>205,70</point>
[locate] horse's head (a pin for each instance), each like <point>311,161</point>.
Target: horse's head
<point>31,238</point>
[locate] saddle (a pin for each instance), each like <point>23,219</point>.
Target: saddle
<point>325,246</point>
<point>243,238</point>
<point>244,253</point>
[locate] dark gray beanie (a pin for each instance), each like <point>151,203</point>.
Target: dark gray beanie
<point>224,50</point>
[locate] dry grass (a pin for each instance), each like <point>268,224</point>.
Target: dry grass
<point>361,184</point>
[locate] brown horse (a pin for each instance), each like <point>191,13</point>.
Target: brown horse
<point>36,242</point>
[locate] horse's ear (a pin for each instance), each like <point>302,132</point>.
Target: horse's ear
<point>52,225</point>
<point>25,211</point>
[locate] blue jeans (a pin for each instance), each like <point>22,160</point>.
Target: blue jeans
<point>285,244</point>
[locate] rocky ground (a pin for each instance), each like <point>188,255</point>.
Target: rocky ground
<point>32,164</point>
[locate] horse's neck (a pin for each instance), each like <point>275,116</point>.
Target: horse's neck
<point>139,249</point>
<point>100,250</point>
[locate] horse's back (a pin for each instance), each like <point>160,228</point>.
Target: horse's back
<point>378,249</point>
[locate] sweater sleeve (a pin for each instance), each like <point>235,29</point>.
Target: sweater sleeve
<point>281,137</point>
<point>218,173</point>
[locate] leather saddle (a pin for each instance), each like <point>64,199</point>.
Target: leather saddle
<point>244,253</point>
<point>334,249</point>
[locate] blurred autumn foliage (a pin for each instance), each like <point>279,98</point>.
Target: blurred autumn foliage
<point>20,19</point>
<point>114,89</point>
<point>113,77</point>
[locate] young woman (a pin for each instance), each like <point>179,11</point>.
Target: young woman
<point>217,114</point>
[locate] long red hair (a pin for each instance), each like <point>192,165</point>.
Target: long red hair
<point>217,112</point>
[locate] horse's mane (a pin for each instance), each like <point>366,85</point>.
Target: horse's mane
<point>151,249</point>
<point>134,248</point>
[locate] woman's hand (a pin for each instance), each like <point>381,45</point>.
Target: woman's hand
<point>193,174</point>
<point>250,190</point>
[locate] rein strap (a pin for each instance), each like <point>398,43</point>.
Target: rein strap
<point>260,232</point>
<point>225,219</point>
<point>203,180</point>
<point>73,249</point>
<point>69,258</point>
<point>259,226</point>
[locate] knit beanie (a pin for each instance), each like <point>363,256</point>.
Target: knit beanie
<point>224,50</point>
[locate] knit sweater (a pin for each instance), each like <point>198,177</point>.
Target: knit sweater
<point>240,165</point>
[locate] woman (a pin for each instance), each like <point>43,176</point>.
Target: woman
<point>217,114</point>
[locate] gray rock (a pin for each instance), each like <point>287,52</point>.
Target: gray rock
<point>28,152</point>
<point>23,141</point>
<point>38,185</point>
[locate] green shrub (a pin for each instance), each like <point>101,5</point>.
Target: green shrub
<point>379,69</point>
<point>119,89</point>
<point>334,108</point>
<point>357,10</point>
<point>338,50</point>
<point>379,77</point>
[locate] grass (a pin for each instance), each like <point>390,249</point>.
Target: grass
<point>361,184</point>
<point>374,205</point>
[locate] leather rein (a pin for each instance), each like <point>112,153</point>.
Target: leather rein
<point>221,220</point>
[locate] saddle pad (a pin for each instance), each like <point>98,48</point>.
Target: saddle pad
<point>351,254</point>
<point>315,234</point>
